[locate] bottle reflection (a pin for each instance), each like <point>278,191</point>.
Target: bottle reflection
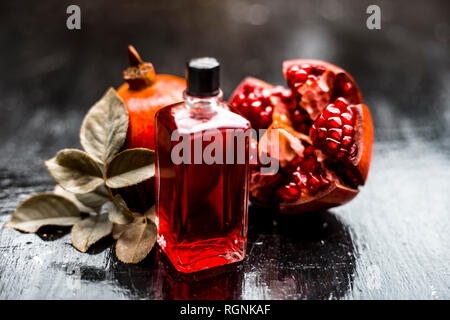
<point>308,256</point>
<point>223,283</point>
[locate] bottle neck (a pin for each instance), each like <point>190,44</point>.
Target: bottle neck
<point>193,102</point>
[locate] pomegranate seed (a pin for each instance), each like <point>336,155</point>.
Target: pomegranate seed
<point>240,97</point>
<point>309,82</point>
<point>347,130</point>
<point>346,141</point>
<point>321,122</point>
<point>312,131</point>
<point>301,120</point>
<point>347,87</point>
<point>266,94</point>
<point>297,116</point>
<point>332,145</point>
<point>313,183</point>
<point>286,96</point>
<point>247,89</point>
<point>341,103</point>
<point>291,74</point>
<point>308,164</point>
<point>265,119</point>
<point>293,69</point>
<point>334,122</point>
<point>350,110</point>
<point>299,179</point>
<point>293,189</point>
<point>296,177</point>
<point>335,134</point>
<point>303,180</point>
<point>307,68</point>
<point>322,134</point>
<point>256,104</point>
<point>347,118</point>
<point>300,76</point>
<point>318,70</point>
<point>331,111</point>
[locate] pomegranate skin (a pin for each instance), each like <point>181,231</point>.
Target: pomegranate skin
<point>143,104</point>
<point>364,139</point>
<point>345,174</point>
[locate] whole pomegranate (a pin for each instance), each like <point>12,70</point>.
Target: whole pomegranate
<point>325,136</point>
<point>144,93</point>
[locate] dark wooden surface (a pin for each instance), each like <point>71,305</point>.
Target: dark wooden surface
<point>391,242</point>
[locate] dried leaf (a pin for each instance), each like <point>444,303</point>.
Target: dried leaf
<point>88,231</point>
<point>44,209</point>
<point>119,212</point>
<point>136,241</point>
<point>130,167</point>
<point>75,171</point>
<point>72,197</point>
<point>94,199</point>
<point>118,229</point>
<point>104,127</point>
<point>151,213</point>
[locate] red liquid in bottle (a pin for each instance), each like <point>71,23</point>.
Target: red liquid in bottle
<point>201,208</point>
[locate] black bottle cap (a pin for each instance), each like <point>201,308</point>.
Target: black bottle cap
<point>202,76</point>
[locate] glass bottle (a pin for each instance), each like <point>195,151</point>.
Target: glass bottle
<point>202,175</point>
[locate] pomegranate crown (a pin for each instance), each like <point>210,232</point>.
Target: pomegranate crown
<point>139,74</point>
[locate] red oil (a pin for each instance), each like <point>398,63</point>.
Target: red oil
<point>201,208</point>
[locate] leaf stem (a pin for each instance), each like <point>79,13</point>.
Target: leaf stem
<point>105,166</point>
<point>111,196</point>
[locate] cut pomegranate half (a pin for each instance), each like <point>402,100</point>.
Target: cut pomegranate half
<point>325,137</point>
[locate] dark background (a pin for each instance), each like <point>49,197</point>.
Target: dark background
<point>392,241</point>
